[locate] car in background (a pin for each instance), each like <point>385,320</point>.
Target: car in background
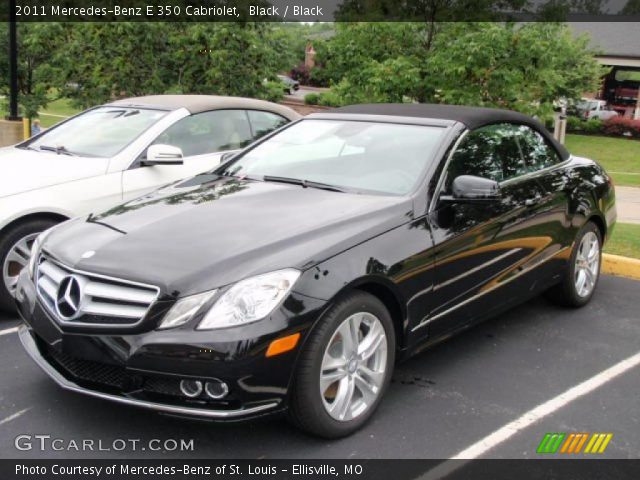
<point>113,153</point>
<point>290,85</point>
<point>291,277</point>
<point>589,108</point>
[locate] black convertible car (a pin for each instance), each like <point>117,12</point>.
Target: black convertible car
<point>295,275</point>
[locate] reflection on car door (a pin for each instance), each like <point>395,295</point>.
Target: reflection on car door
<point>202,137</point>
<point>551,211</point>
<point>480,245</point>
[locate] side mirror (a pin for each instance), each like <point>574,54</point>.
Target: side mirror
<point>469,188</point>
<point>163,155</point>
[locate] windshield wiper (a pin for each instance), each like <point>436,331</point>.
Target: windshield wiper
<point>303,183</point>
<point>59,150</point>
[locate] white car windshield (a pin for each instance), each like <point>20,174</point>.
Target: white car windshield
<point>100,132</point>
<point>352,155</point>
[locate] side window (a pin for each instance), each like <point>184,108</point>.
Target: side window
<point>208,132</point>
<point>537,152</point>
<point>265,122</point>
<point>490,152</point>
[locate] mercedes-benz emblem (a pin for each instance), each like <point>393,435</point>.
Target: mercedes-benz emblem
<point>68,297</point>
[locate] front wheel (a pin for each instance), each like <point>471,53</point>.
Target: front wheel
<point>345,367</point>
<point>15,252</point>
<point>582,274</point>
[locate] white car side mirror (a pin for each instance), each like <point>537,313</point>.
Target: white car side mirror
<point>163,155</point>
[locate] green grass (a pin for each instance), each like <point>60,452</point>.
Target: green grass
<point>62,106</point>
<point>619,156</point>
<point>625,240</point>
<point>55,112</point>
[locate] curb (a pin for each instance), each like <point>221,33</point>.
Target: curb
<point>620,266</point>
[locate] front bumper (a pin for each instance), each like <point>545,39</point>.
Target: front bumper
<point>144,369</point>
<point>29,344</point>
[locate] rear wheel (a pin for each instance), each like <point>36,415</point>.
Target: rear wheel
<point>15,252</point>
<point>345,368</point>
<point>581,277</point>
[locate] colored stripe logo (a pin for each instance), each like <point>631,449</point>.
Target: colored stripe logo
<point>574,443</point>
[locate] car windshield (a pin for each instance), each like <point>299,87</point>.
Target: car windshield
<point>100,132</point>
<point>352,155</point>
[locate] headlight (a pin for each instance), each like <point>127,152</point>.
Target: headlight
<point>250,300</point>
<point>184,309</point>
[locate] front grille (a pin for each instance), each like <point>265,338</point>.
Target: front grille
<point>90,371</point>
<point>112,376</point>
<point>163,386</point>
<point>91,299</point>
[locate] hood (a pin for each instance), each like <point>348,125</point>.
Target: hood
<point>211,231</point>
<point>23,170</point>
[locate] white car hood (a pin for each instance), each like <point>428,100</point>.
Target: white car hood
<point>22,170</point>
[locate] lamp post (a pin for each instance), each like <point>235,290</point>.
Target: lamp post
<point>13,63</point>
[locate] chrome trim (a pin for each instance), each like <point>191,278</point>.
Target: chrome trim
<point>526,176</point>
<point>428,320</point>
<point>436,192</point>
<point>433,288</point>
<point>30,346</point>
<point>477,268</point>
<point>57,270</point>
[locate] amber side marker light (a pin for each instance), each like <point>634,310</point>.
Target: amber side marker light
<point>282,345</point>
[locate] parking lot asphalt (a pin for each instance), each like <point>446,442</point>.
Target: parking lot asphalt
<point>440,402</point>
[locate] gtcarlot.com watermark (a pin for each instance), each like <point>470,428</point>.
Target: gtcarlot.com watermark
<point>48,443</point>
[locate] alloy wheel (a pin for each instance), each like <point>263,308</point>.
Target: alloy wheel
<point>17,259</point>
<point>353,367</point>
<point>587,264</point>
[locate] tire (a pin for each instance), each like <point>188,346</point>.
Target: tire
<point>568,293</point>
<point>20,237</point>
<point>309,407</point>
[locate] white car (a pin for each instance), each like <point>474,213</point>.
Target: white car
<point>590,108</point>
<point>113,153</point>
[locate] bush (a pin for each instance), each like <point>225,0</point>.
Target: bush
<point>300,73</point>
<point>312,99</point>
<point>330,99</point>
<point>575,124</point>
<point>273,91</point>
<point>313,77</point>
<point>318,77</point>
<point>593,126</point>
<point>620,126</point>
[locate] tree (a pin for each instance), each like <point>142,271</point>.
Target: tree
<point>523,67</point>
<point>102,61</point>
<point>240,61</point>
<point>357,44</point>
<point>393,80</point>
<point>133,59</point>
<point>520,66</point>
<point>36,73</point>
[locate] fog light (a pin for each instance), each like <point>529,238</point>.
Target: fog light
<point>191,388</point>
<point>216,390</point>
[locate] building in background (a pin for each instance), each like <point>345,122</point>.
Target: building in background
<point>618,44</point>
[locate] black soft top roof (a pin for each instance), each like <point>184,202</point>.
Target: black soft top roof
<point>471,117</point>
